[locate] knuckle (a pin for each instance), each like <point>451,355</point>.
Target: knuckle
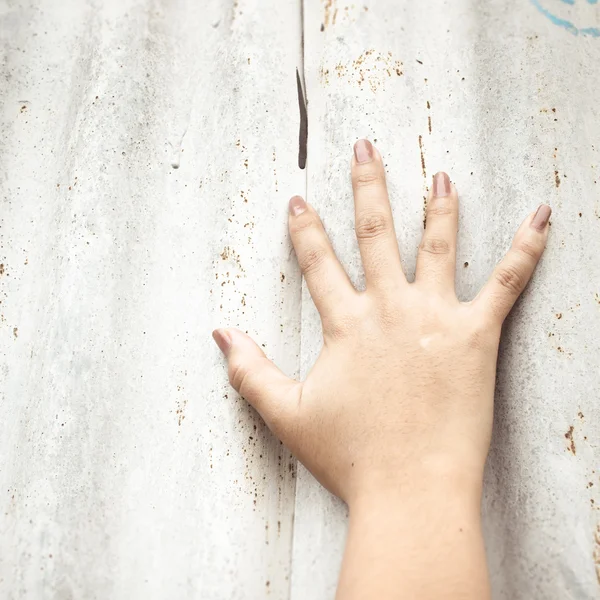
<point>439,211</point>
<point>371,225</point>
<point>237,376</point>
<point>529,249</point>
<point>482,337</point>
<point>300,225</point>
<point>511,278</point>
<point>435,246</point>
<point>312,259</point>
<point>339,328</point>
<point>366,179</point>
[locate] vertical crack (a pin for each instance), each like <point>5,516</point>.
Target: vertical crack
<point>303,133</point>
<point>302,157</point>
<point>302,99</point>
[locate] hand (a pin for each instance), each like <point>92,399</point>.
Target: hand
<point>400,401</point>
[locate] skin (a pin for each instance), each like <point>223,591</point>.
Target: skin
<point>395,417</point>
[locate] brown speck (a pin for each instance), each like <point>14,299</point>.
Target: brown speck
<point>282,277</point>
<point>466,265</point>
<point>569,437</point>
<point>429,122</point>
<point>322,27</point>
<point>580,415</point>
<point>559,316</point>
<point>556,179</point>
<point>420,62</point>
<point>2,269</point>
<point>16,332</point>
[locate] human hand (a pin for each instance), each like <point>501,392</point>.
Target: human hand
<point>403,388</point>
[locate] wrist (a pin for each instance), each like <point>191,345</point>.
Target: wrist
<point>434,480</point>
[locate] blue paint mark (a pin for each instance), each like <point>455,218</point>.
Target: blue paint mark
<point>588,31</point>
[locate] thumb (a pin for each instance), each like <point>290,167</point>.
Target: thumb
<point>274,395</point>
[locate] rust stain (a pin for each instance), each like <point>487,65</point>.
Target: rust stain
<point>328,10</point>
<point>2,269</point>
<point>229,253</point>
<point>422,157</point>
<point>429,117</point>
<point>559,316</point>
<point>179,412</point>
<point>371,69</point>
<point>424,171</point>
<point>556,175</point>
<point>569,437</point>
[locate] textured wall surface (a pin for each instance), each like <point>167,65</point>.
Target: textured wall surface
<point>147,152</point>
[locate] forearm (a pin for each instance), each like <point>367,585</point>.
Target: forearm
<point>423,546</point>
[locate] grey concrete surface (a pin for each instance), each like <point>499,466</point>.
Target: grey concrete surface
<point>147,152</point>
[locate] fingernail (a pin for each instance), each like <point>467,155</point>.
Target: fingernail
<point>541,217</point>
<point>297,206</point>
<point>441,185</point>
<point>223,339</point>
<point>363,151</point>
